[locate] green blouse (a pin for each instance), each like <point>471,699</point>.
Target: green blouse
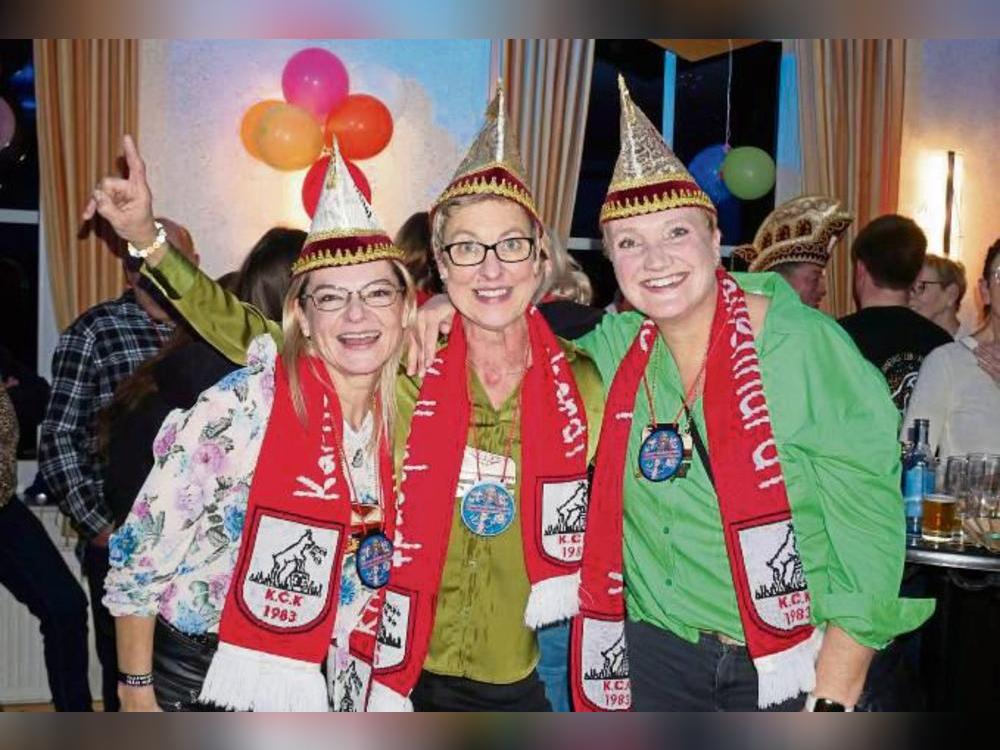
<point>835,427</point>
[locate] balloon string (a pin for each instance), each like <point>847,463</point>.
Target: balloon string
<point>729,90</point>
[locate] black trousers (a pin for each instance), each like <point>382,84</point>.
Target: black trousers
<point>34,572</point>
<point>95,568</point>
<point>435,692</point>
<point>180,663</point>
<point>670,674</point>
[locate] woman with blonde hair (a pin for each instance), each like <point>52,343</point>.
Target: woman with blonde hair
<point>263,533</point>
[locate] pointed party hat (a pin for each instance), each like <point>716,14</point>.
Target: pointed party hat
<point>344,230</point>
<point>493,164</point>
<point>648,177</point>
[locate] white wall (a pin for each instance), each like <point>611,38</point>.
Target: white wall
<point>953,103</point>
<point>194,93</point>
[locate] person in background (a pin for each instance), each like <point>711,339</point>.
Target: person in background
<point>94,354</point>
<point>35,573</point>
<point>959,397</point>
<point>796,241</point>
<point>566,304</point>
<point>182,369</point>
<point>29,392</point>
<point>888,254</point>
<point>938,292</point>
<point>414,239</point>
<point>988,354</point>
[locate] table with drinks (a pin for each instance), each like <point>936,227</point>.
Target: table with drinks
<point>953,535</point>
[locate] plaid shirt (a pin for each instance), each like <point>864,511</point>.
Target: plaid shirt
<point>99,350</point>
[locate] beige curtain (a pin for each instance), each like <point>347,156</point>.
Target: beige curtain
<point>851,126</point>
<point>87,92</point>
<point>547,82</point>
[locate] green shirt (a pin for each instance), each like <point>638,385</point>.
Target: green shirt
<point>218,316</point>
<point>479,631</point>
<point>835,428</point>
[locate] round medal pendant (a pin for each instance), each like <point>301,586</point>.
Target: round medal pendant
<point>488,509</point>
<point>661,453</point>
<point>373,560</point>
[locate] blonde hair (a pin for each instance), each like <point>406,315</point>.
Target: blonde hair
<point>565,278</point>
<point>949,272</point>
<point>541,237</point>
<point>296,345</point>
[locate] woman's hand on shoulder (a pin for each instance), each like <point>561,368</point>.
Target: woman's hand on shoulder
<point>433,320</point>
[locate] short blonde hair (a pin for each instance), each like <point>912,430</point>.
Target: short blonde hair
<point>949,272</point>
<point>296,344</point>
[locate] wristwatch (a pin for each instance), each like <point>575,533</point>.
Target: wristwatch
<point>817,705</point>
<point>158,242</point>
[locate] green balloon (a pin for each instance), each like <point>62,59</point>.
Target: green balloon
<point>748,172</point>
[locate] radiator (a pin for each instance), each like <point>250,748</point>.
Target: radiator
<point>22,675</point>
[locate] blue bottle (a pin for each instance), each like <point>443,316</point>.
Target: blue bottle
<point>918,479</point>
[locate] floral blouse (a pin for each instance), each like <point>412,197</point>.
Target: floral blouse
<point>176,552</point>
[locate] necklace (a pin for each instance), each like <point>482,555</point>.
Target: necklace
<point>665,450</point>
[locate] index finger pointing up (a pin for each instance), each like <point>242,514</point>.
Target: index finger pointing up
<point>136,166</point>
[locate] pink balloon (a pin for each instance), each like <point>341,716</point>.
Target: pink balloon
<point>7,124</point>
<point>315,80</point>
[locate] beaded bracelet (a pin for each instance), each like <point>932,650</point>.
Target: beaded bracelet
<point>135,680</point>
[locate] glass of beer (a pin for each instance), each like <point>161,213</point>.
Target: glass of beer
<point>939,518</point>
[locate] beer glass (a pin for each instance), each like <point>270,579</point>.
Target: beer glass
<point>939,518</point>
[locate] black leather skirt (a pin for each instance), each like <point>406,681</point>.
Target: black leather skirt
<point>180,663</point>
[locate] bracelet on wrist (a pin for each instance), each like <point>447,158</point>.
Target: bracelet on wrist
<point>135,680</point>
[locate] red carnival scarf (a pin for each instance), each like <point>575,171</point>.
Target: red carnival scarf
<point>552,505</point>
<point>764,562</point>
<point>281,606</point>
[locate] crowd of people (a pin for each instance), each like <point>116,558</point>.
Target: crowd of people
<point>424,473</point>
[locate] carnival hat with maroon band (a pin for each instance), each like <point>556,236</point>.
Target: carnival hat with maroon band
<point>648,177</point>
<point>344,230</point>
<point>493,164</point>
<point>797,231</point>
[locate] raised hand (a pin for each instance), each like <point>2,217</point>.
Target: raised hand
<point>126,204</point>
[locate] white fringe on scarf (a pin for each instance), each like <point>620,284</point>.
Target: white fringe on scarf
<point>246,680</point>
<point>788,673</point>
<point>553,600</point>
<point>385,700</point>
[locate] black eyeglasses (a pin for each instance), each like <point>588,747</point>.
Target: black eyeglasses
<point>471,253</point>
<point>333,298</point>
<point>919,287</point>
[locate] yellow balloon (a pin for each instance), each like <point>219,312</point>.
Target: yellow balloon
<point>251,124</point>
<point>288,137</point>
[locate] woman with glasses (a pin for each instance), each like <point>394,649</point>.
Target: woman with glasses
<point>494,488</point>
<point>258,543</point>
<point>956,389</point>
<point>937,294</point>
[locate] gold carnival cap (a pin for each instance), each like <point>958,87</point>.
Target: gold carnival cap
<point>648,176</point>
<point>344,231</point>
<point>797,231</point>
<point>493,164</point>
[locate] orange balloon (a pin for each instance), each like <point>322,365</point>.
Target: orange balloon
<point>288,137</point>
<point>250,123</point>
<point>362,124</point>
